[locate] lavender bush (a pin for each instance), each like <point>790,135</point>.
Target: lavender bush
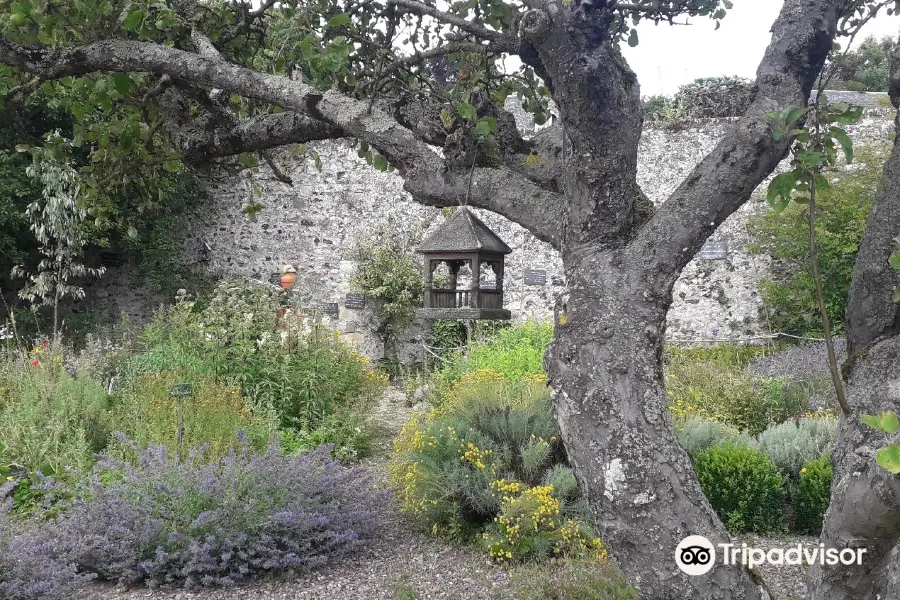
<point>160,520</point>
<point>31,563</point>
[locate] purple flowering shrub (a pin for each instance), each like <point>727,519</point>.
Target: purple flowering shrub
<point>160,521</point>
<point>31,563</point>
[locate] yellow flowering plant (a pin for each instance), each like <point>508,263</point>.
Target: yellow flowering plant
<point>532,523</point>
<point>488,461</point>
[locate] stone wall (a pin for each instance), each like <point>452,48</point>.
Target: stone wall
<point>314,223</point>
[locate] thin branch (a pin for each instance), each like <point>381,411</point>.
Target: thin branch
<point>276,170</point>
<point>508,45</point>
<point>475,29</point>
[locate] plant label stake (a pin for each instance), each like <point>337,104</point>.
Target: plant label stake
<point>180,391</point>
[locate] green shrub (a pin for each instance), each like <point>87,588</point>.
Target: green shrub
<point>389,273</point>
<point>50,421</point>
<point>789,293</point>
<point>350,434</point>
<point>489,461</point>
<point>720,392</point>
<point>570,580</point>
<point>792,444</point>
<point>301,369</point>
<point>696,435</point>
<point>811,495</point>
<point>743,487</point>
<point>514,351</point>
<point>148,415</point>
<point>660,109</point>
<point>714,97</point>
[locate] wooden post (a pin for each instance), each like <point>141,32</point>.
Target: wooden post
<point>475,299</point>
<point>180,391</point>
<point>454,265</point>
<point>429,277</point>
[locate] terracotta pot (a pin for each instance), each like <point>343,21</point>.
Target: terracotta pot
<point>287,280</point>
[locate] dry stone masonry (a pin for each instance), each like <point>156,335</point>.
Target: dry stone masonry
<point>314,224</point>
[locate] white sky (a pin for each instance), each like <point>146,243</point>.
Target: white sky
<point>670,56</point>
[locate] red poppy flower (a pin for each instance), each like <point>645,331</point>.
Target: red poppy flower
<point>46,344</point>
<point>35,363</point>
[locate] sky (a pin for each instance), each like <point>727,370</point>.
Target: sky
<point>670,56</point>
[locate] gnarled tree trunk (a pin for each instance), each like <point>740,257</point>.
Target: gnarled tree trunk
<point>865,498</point>
<point>605,367</point>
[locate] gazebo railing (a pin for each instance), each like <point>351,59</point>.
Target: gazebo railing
<point>463,299</point>
<point>450,298</point>
<point>491,299</point>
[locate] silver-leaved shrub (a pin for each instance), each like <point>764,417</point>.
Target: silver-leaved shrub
<point>792,444</point>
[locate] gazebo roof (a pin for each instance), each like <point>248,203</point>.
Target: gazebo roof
<point>463,232</point>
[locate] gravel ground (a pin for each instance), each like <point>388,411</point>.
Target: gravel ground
<point>785,581</point>
<point>403,564</point>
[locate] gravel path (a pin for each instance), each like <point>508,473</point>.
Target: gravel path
<point>403,564</point>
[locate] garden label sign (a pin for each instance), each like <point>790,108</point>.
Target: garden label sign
<point>331,309</point>
<point>181,390</point>
<point>355,301</point>
<point>713,251</point>
<point>535,277</point>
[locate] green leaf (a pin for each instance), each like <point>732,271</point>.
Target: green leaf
<point>889,458</point>
<point>248,160</point>
<point>466,111</point>
<point>779,193</point>
<point>133,20</point>
<point>338,20</point>
<point>895,257</point>
<point>886,422</point>
<point>172,166</point>
<point>794,114</point>
<point>482,128</point>
<point>633,38</point>
<point>122,83</point>
<point>380,162</point>
<point>844,140</point>
<point>132,232</point>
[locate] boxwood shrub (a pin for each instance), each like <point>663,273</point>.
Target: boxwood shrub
<point>744,487</point>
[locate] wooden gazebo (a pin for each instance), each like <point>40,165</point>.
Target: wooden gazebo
<point>463,239</point>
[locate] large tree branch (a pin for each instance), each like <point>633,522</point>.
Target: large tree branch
<point>215,133</point>
<point>871,310</point>
<point>499,190</point>
<point>802,36</point>
<point>413,158</point>
<point>598,99</point>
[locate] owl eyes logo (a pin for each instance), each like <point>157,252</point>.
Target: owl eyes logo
<point>695,555</point>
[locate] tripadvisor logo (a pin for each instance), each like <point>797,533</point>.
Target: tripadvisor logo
<point>696,555</point>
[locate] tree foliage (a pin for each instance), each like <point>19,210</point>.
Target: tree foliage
<point>865,68</point>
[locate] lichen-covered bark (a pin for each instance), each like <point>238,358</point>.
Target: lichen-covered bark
<point>605,370</point>
<point>865,498</point>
